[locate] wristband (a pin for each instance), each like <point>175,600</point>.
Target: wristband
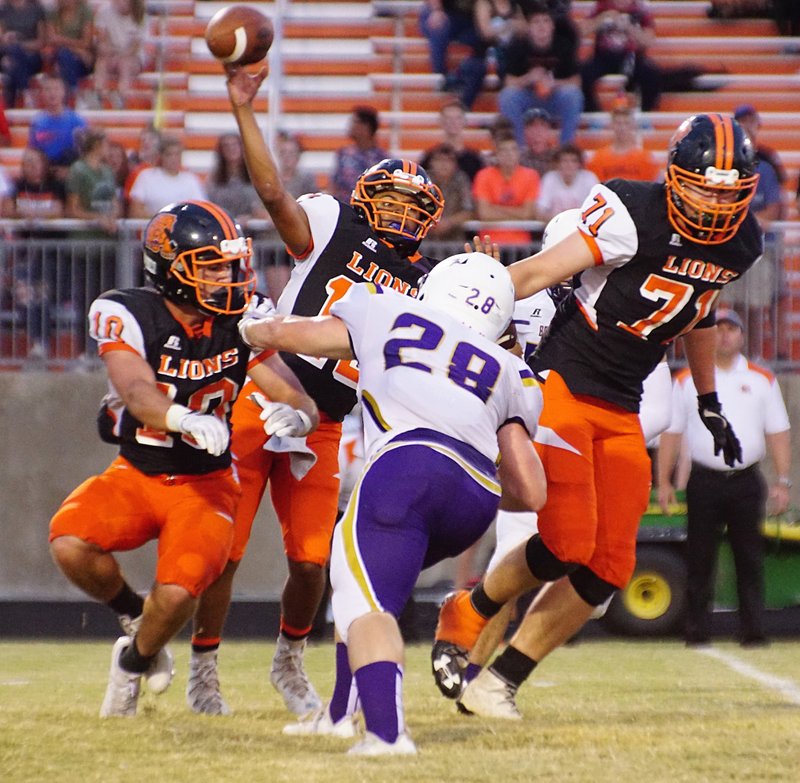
<point>784,481</point>
<point>174,415</point>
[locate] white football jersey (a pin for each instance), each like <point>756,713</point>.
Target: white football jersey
<point>421,369</point>
<point>532,316</point>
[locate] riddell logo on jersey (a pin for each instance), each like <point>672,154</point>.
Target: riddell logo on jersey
<point>697,269</point>
<point>197,369</point>
<point>378,275</point>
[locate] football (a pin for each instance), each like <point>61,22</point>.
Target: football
<point>239,35</point>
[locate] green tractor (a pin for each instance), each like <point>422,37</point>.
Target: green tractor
<point>654,602</point>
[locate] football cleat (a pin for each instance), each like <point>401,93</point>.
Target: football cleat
<point>448,663</point>
<point>321,724</point>
<point>159,676</point>
<point>373,745</point>
<point>459,623</point>
<point>289,678</point>
<point>202,688</point>
<point>490,697</point>
<point>122,691</point>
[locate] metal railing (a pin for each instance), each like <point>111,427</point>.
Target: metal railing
<point>47,283</point>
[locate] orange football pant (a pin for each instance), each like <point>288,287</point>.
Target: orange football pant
<point>598,481</point>
<point>306,509</point>
<point>191,516</point>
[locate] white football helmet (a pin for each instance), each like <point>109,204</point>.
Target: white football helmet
<point>560,226</point>
<point>473,288</point>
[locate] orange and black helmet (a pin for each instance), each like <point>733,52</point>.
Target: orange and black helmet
<point>186,239</point>
<point>710,178</point>
<point>401,224</point>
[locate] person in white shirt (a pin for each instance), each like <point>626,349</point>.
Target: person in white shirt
<point>718,496</point>
<point>164,184</point>
<point>567,185</point>
<point>448,414</point>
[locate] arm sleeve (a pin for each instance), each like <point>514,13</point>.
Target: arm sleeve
<point>607,223</point>
<point>776,417</point>
<point>114,327</point>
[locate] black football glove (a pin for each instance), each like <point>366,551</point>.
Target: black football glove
<point>725,439</point>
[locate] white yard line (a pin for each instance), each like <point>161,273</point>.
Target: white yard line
<point>786,688</point>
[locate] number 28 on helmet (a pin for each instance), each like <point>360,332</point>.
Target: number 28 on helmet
<point>195,253</point>
<point>710,178</point>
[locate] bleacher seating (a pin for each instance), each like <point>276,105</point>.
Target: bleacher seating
<point>330,55</point>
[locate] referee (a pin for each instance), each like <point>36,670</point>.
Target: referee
<point>732,496</point>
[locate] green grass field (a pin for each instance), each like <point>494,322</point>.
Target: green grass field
<point>596,711</point>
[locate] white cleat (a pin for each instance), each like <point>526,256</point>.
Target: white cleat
<point>373,745</point>
<point>122,692</point>
<point>320,724</point>
<point>289,678</point>
<point>490,697</point>
<point>159,676</point>
<point>202,689</point>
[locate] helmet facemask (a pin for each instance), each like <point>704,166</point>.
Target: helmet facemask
<point>196,269</point>
<point>708,208</point>
<point>399,221</point>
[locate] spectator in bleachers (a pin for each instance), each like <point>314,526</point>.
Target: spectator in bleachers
<point>117,159</point>
<point>168,182</point>
<point>623,31</point>
<point>70,42</point>
<point>540,144</point>
<point>53,130</point>
<point>541,73</point>
<point>352,159</point>
<point>763,294</point>
<point>119,37</point>
<point>22,36</point>
<point>453,119</point>
<point>443,169</point>
<point>624,156</point>
<point>145,155</point>
<point>787,16</point>
<point>229,184</point>
<point>747,116</point>
<point>444,22</point>
<point>5,131</point>
<point>277,263</point>
<point>91,185</point>
<point>507,191</point>
<point>567,185</point>
<point>496,22</point>
<point>37,196</point>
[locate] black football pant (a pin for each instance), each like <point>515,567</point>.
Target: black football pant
<point>717,500</point>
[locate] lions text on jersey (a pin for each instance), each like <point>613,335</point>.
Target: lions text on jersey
<point>203,371</point>
<point>649,286</point>
<point>345,251</point>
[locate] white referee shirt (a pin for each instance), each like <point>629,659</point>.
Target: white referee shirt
<point>751,401</point>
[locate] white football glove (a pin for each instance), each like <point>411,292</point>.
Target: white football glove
<point>283,420</point>
<point>210,432</point>
<point>258,309</point>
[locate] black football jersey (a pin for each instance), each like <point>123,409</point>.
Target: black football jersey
<point>203,370</point>
<point>346,251</point>
<point>649,286</point>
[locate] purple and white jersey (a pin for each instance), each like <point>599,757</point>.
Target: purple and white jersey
<point>421,369</point>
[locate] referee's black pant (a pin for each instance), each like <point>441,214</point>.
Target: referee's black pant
<point>717,500</point>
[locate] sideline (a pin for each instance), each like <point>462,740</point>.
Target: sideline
<point>786,688</point>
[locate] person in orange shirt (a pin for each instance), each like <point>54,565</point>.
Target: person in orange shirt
<point>507,191</point>
<point>624,157</point>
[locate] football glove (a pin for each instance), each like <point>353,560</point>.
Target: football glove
<point>260,307</point>
<point>281,419</point>
<point>725,440</point>
<point>209,432</point>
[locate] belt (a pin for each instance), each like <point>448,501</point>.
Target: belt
<point>733,473</point>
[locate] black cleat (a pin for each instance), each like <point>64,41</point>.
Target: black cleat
<point>448,664</point>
